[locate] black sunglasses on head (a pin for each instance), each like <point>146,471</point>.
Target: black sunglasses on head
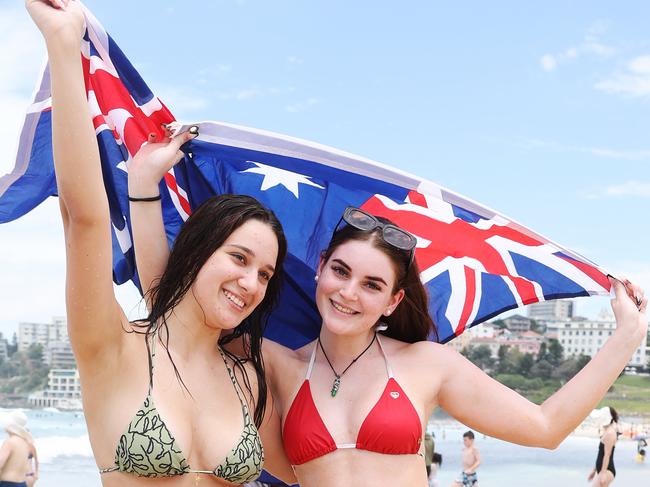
<point>391,234</point>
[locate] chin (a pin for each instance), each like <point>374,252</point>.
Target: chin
<point>338,326</point>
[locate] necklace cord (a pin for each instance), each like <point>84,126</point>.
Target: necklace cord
<point>351,363</point>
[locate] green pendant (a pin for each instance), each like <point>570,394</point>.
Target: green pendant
<point>335,386</point>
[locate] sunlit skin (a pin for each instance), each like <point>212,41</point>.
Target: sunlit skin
<point>353,293</point>
<point>233,281</point>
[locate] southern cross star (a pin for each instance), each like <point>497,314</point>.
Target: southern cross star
<point>274,176</point>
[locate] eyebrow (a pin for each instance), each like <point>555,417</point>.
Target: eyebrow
<point>248,251</point>
<point>372,278</point>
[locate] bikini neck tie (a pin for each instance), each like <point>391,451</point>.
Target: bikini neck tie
<point>337,377</point>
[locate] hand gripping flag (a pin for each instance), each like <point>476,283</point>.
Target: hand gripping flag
<point>475,263</point>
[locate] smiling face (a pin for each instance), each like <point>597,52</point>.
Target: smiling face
<point>355,288</point>
<point>233,281</point>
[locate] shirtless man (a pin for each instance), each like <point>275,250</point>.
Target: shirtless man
<point>471,461</point>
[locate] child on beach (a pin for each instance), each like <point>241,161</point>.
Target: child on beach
<point>471,460</point>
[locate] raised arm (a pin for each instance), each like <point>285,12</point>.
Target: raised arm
<point>146,170</point>
<point>94,318</point>
<point>482,403</point>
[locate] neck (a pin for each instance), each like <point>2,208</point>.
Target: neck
<point>341,349</point>
<point>189,335</point>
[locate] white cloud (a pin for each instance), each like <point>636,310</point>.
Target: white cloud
<point>590,45</point>
<point>633,81</point>
<point>302,105</point>
<point>631,189</point>
<point>548,62</point>
<point>629,155</point>
<point>294,60</point>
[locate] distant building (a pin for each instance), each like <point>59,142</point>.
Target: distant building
<point>557,309</point>
<point>484,330</point>
<point>518,323</point>
<point>63,391</point>
<point>42,333</point>
<point>588,336</point>
<point>4,345</point>
<point>461,341</point>
<point>529,342</point>
<point>58,355</point>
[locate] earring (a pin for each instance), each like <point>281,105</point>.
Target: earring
<point>388,312</point>
<point>316,278</point>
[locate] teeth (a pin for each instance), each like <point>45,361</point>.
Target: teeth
<point>343,309</point>
<point>234,299</point>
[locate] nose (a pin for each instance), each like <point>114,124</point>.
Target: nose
<point>348,291</point>
<point>248,281</point>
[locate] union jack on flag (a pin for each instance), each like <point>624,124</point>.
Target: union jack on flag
<point>474,262</point>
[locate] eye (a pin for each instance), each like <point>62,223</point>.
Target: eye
<point>265,276</point>
<point>373,285</point>
<point>339,270</point>
<point>239,257</point>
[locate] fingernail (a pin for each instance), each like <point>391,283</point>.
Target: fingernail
<point>194,130</point>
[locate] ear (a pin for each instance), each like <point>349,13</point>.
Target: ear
<point>395,299</point>
<point>321,264</point>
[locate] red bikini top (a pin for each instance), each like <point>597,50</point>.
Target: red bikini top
<point>392,426</point>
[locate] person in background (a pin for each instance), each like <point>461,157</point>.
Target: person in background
<point>605,471</point>
<point>641,445</point>
<point>471,461</point>
<point>32,461</point>
<point>429,447</point>
<point>15,463</point>
<point>435,466</point>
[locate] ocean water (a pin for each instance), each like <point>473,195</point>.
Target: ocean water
<point>66,458</point>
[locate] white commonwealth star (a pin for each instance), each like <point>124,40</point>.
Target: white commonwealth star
<point>274,176</point>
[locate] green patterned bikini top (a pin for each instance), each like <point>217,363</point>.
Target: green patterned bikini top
<point>148,449</point>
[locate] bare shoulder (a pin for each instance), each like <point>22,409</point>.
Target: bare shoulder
<point>426,352</point>
<point>610,436</point>
<point>277,352</point>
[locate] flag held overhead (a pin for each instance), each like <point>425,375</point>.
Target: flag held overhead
<point>475,262</point>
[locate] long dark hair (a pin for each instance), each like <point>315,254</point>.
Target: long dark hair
<point>410,321</point>
<point>201,235</point>
<point>614,414</point>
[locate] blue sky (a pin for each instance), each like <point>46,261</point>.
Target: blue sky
<point>538,111</point>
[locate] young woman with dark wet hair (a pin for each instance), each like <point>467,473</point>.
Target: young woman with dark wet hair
<point>186,412</point>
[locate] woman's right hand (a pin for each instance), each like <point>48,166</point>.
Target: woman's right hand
<point>153,161</point>
<point>58,20</point>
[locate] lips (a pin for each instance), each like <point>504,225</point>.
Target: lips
<point>238,302</point>
<point>343,309</point>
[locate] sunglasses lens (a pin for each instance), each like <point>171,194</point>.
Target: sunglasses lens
<point>360,220</point>
<point>399,238</point>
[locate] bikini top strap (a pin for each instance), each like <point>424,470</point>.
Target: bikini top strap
<point>235,384</point>
<point>312,360</point>
<point>151,348</point>
<point>389,371</point>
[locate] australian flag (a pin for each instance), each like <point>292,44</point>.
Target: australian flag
<point>474,262</point>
